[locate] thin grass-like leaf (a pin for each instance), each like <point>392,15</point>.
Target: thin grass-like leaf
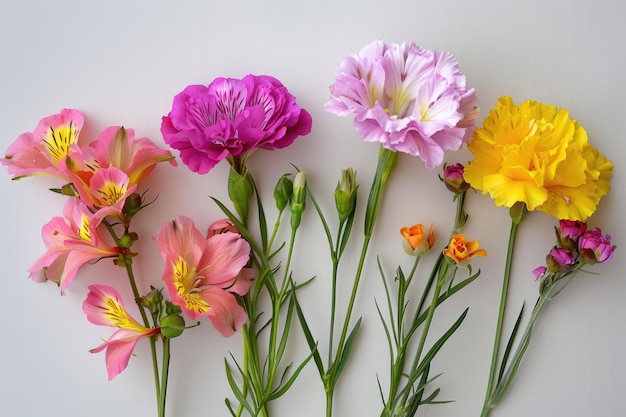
<point>509,345</point>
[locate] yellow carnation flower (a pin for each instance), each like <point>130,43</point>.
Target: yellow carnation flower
<point>536,154</point>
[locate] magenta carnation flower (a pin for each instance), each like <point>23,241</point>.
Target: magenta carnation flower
<point>409,99</point>
<point>231,117</point>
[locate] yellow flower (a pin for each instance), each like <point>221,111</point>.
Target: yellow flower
<point>536,154</point>
<point>416,242</point>
<point>461,250</point>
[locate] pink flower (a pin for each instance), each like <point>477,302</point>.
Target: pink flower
<point>453,178</point>
<point>137,158</point>
<point>43,151</point>
<point>407,98</point>
<point>104,191</point>
<point>231,117</point>
<point>72,241</point>
<point>572,229</point>
<point>560,260</point>
<point>104,307</point>
<point>595,248</point>
<point>539,272</point>
<point>203,274</point>
<point>222,226</point>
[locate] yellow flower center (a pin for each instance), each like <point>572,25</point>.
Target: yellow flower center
<point>58,142</point>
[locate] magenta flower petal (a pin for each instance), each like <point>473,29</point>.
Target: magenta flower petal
<point>231,117</point>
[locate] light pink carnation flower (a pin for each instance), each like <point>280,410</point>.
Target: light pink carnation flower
<point>409,99</point>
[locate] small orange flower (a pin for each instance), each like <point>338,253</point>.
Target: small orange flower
<point>416,242</point>
<point>461,250</point>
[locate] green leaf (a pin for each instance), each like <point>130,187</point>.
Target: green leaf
<point>238,394</point>
<point>347,349</point>
<point>509,345</point>
<point>278,393</point>
<point>309,336</point>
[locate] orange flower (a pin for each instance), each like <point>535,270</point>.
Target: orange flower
<point>416,242</point>
<point>461,250</point>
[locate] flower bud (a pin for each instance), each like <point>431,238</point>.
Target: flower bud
<point>298,199</point>
<point>127,240</point>
<point>345,193</point>
<point>222,226</point>
<point>568,232</point>
<point>152,301</point>
<point>172,325</point>
<point>453,178</point>
<point>240,192</point>
<point>539,272</point>
<point>132,204</point>
<point>283,192</point>
<point>416,242</point>
<point>560,260</point>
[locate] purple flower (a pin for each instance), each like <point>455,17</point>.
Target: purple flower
<point>539,272</point>
<point>568,233</point>
<point>231,117</point>
<point>409,99</point>
<point>594,247</point>
<point>560,260</point>
<point>453,178</point>
<point>572,229</point>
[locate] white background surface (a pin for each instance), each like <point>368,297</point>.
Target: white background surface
<point>121,63</point>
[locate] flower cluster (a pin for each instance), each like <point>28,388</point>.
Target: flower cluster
<point>576,247</point>
<point>412,102</point>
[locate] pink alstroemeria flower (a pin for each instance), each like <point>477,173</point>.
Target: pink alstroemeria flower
<point>409,99</point>
<point>72,241</point>
<point>43,151</point>
<point>137,158</point>
<point>104,306</point>
<point>202,274</point>
<point>229,118</point>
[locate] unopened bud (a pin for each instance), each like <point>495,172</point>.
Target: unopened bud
<point>345,193</point>
<point>283,192</point>
<point>298,199</point>
<point>172,325</point>
<point>132,204</point>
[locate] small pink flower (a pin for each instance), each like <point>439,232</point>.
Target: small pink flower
<point>539,272</point>
<point>203,274</point>
<point>409,99</point>
<point>229,118</point>
<point>72,241</point>
<point>595,248</point>
<point>43,151</point>
<point>453,178</point>
<point>572,229</point>
<point>222,226</point>
<point>104,306</point>
<point>560,260</point>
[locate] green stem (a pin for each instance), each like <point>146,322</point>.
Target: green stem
<point>487,406</point>
<point>333,296</point>
<point>127,259</point>
<point>441,279</point>
<point>164,375</point>
<point>511,370</point>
